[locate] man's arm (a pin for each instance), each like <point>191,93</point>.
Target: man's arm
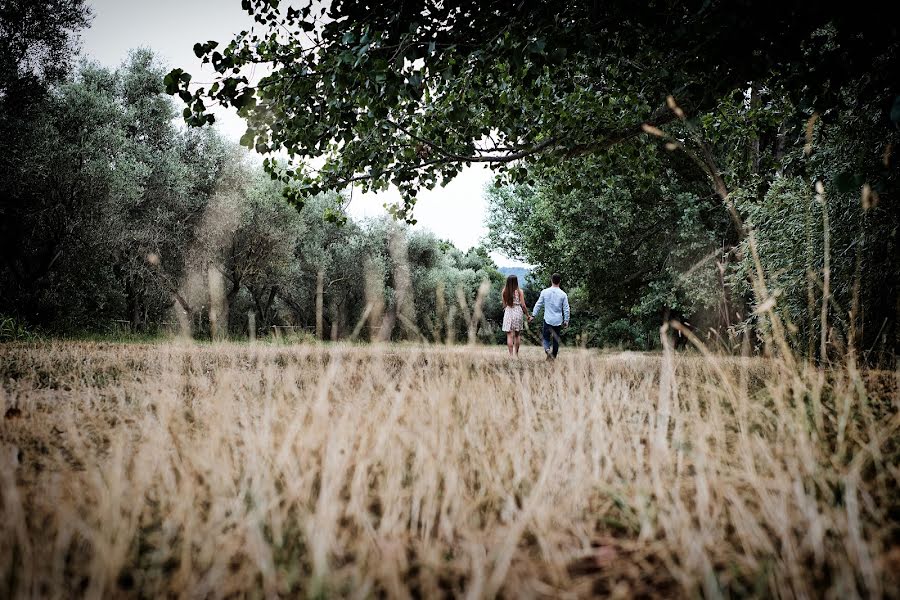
<point>566,310</point>
<point>538,305</point>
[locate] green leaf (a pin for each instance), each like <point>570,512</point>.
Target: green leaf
<point>171,81</point>
<point>246,98</point>
<point>537,46</point>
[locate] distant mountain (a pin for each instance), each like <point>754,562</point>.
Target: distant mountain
<point>520,272</point>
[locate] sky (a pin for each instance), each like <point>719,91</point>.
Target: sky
<point>172,27</point>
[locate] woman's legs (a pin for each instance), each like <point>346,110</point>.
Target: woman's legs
<point>518,341</point>
<point>510,335</point>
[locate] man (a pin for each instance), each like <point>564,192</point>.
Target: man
<point>555,303</point>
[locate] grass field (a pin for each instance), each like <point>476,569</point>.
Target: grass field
<point>218,470</point>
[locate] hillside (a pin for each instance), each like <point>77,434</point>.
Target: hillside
<point>520,272</point>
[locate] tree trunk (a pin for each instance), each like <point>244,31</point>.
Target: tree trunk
<point>270,301</point>
<point>134,309</point>
<point>320,301</point>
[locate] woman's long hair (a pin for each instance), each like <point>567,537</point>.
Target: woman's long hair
<point>509,290</point>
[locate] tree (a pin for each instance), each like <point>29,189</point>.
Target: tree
<point>261,257</point>
<point>831,207</point>
<point>37,44</point>
<point>636,241</point>
<point>58,221</point>
<point>447,287</point>
<point>640,233</point>
<point>154,213</point>
<point>110,195</point>
<point>121,217</point>
<point>407,93</point>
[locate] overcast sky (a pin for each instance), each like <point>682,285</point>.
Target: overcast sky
<point>171,27</point>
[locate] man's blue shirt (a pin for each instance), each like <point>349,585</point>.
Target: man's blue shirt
<point>556,306</point>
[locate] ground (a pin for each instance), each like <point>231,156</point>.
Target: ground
<point>211,470</point>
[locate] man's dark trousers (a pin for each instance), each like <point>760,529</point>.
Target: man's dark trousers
<point>551,337</point>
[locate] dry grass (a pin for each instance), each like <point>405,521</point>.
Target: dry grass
<point>144,471</point>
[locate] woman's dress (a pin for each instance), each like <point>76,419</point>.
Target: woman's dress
<point>513,315</point>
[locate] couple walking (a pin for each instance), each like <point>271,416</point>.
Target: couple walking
<point>555,303</point>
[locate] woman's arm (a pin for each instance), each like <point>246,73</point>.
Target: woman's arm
<point>522,301</point>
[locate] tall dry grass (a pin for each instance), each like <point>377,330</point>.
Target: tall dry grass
<point>406,471</point>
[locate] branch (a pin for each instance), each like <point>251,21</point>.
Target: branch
<point>660,116</point>
<point>516,153</point>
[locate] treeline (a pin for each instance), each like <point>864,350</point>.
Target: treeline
<point>729,166</point>
<point>755,219</point>
<point>756,215</point>
<point>115,219</point>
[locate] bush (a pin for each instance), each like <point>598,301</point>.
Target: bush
<point>13,330</point>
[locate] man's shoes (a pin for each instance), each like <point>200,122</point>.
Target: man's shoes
<point>549,353</point>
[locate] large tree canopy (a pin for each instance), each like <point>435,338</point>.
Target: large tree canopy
<point>37,41</point>
<point>391,91</point>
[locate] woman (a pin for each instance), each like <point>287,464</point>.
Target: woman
<point>513,309</point>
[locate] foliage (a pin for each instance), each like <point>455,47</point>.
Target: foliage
<point>632,240</point>
<point>179,230</point>
<point>405,93</point>
<point>789,227</point>
<point>847,154</point>
<point>13,330</point>
<point>107,205</point>
<point>135,240</point>
<point>758,157</point>
<point>111,214</point>
<point>37,43</point>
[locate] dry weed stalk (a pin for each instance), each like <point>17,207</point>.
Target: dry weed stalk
<point>427,470</point>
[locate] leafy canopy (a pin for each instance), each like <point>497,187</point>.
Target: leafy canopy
<point>407,93</point>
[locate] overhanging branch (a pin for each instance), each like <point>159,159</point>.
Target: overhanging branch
<point>660,116</point>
